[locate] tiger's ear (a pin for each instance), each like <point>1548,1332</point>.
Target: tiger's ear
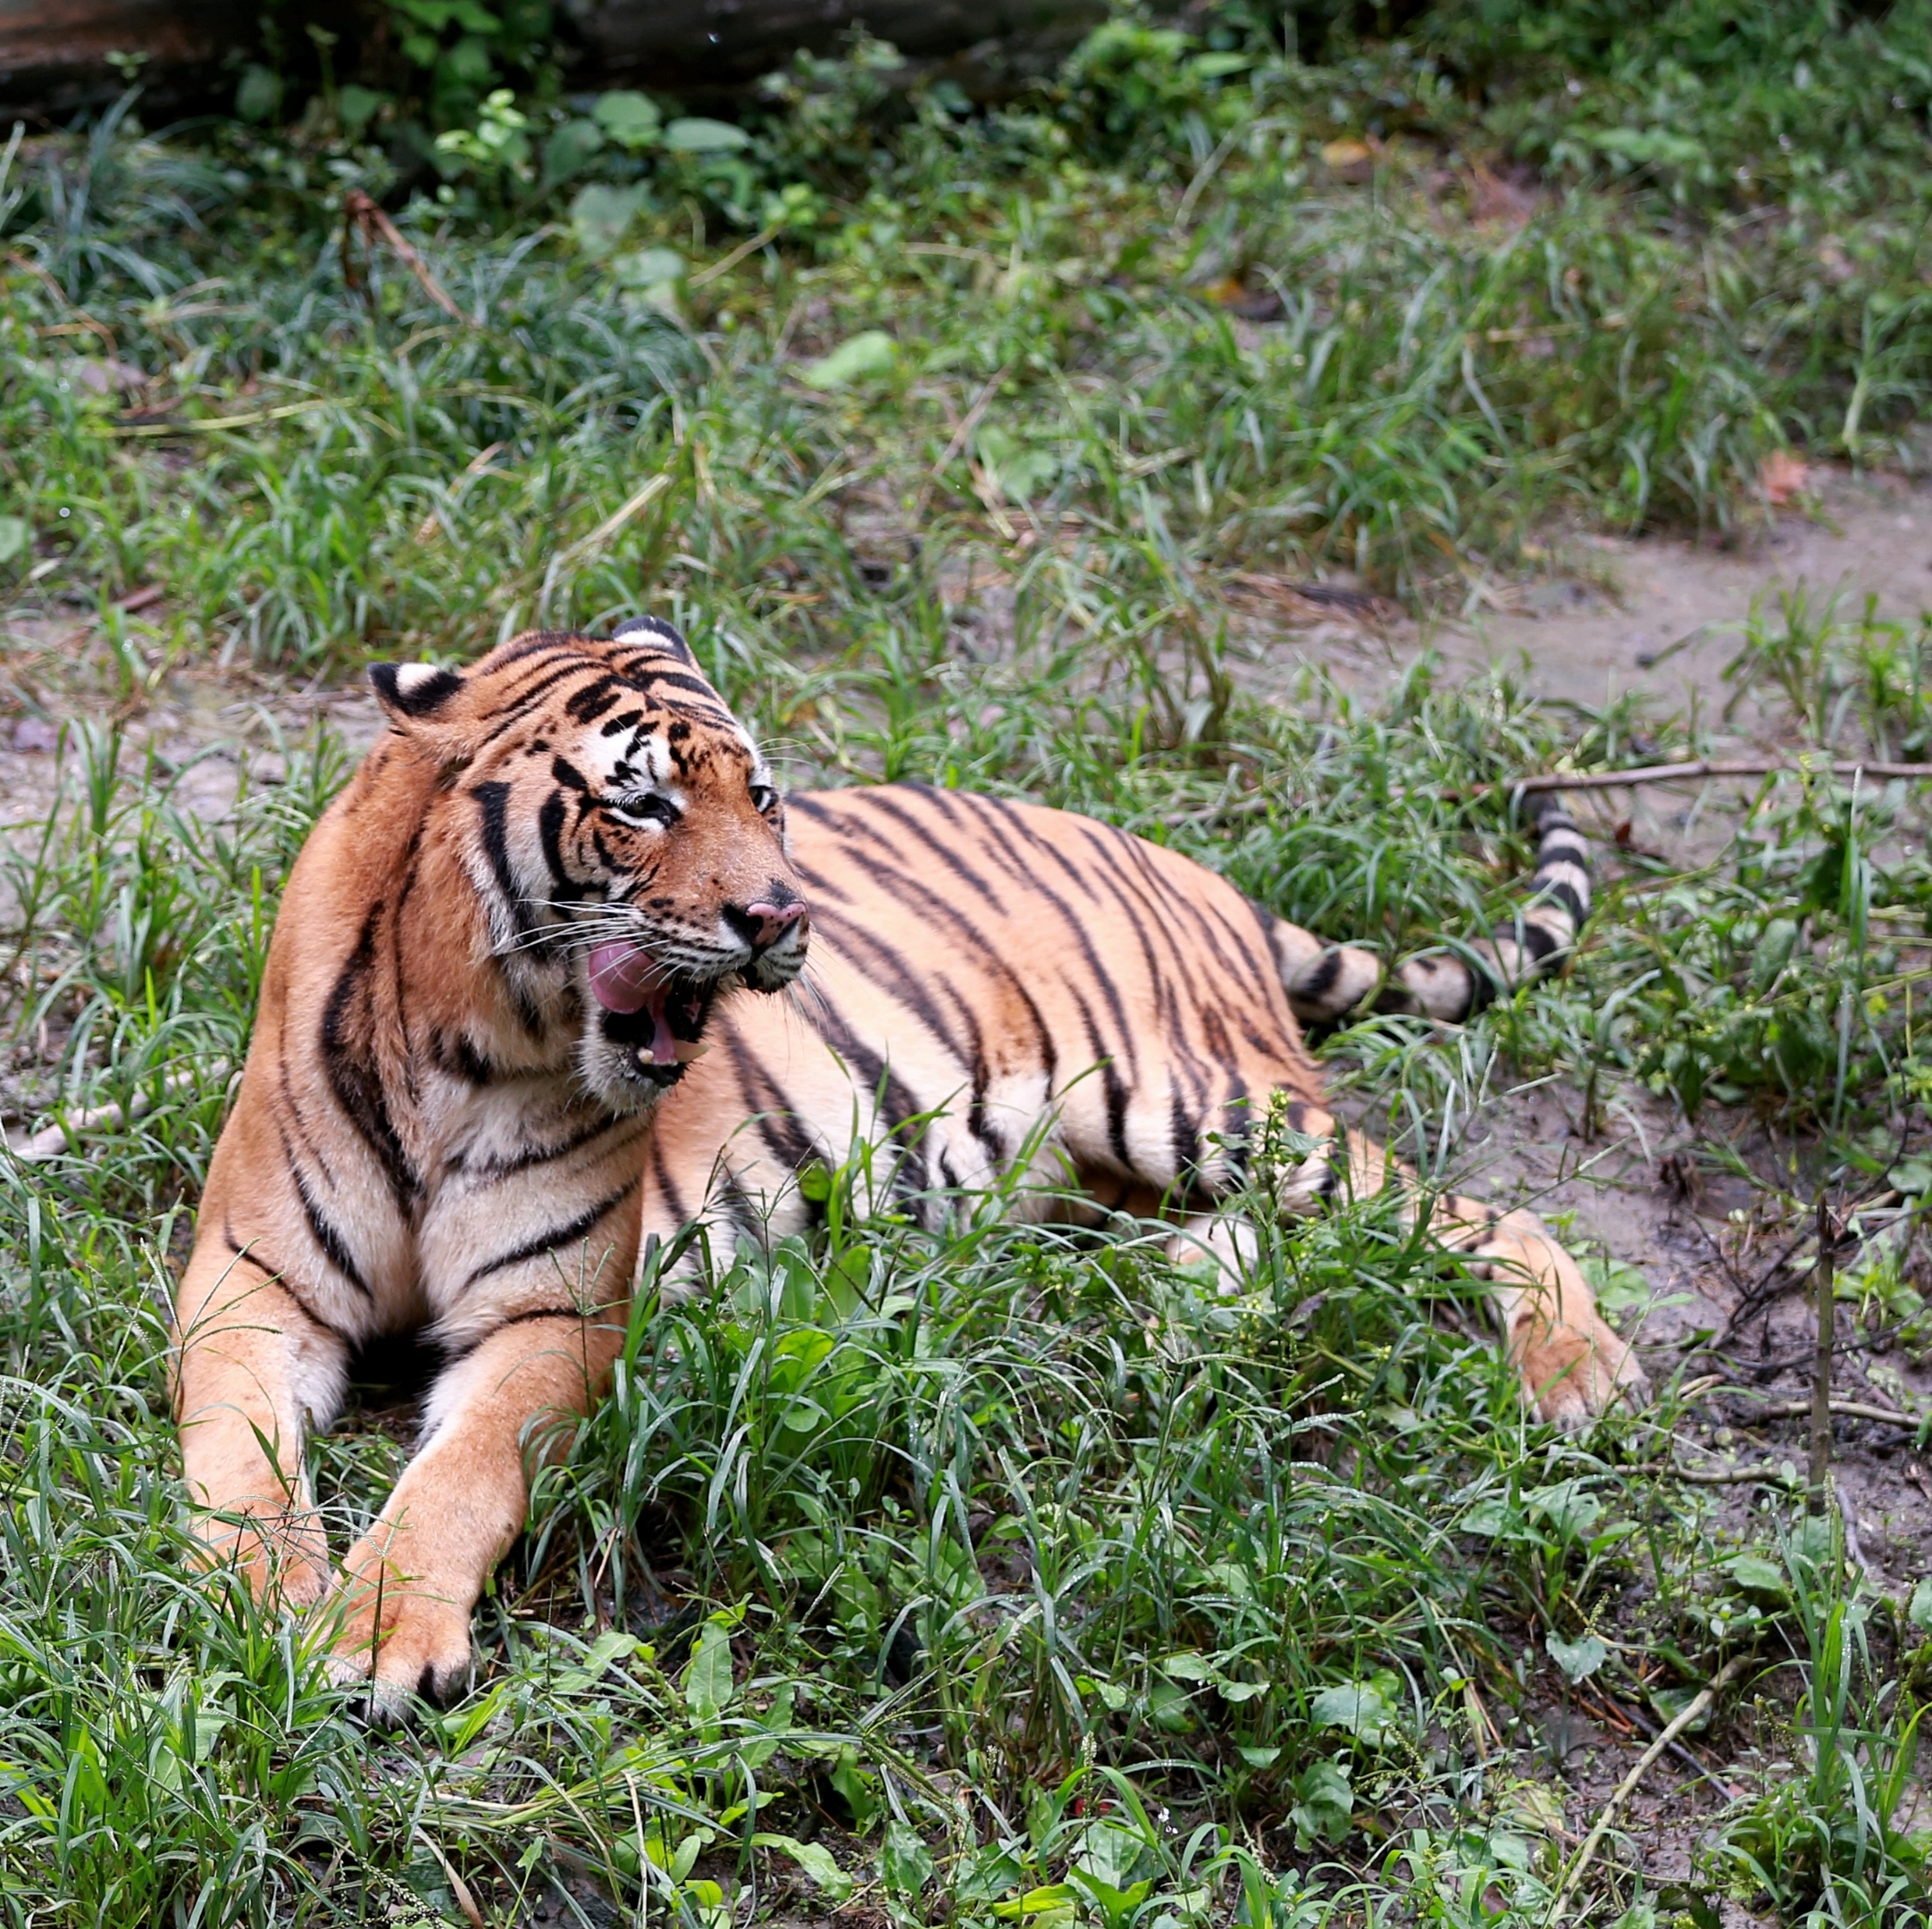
<point>411,691</point>
<point>654,630</point>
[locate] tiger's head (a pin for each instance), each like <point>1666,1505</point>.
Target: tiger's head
<point>623,833</point>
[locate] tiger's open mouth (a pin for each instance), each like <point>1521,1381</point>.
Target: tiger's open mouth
<point>657,1016</point>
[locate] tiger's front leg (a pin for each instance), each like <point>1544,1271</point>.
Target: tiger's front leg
<point>407,1588</point>
<point>531,1362</point>
<point>253,1367</point>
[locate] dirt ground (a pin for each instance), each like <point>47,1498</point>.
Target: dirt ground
<point>1658,620</point>
<point>1661,618</point>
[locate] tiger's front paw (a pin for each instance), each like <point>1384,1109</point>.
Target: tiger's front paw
<point>1571,1374</point>
<point>399,1633</point>
<point>279,1550</point>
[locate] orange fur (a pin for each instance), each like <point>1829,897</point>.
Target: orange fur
<point>439,1125</point>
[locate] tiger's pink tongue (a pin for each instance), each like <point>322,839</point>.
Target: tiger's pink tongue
<point>621,976</point>
<point>622,980</point>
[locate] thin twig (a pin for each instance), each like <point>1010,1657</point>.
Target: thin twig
<point>737,255</point>
<point>1636,1719</point>
<point>63,297</point>
<point>458,1888</point>
<point>1208,169</point>
<point>474,467</point>
<point>53,1141</point>
<point>1650,773</point>
<point>1824,1276</point>
<point>1690,1712</point>
<point>589,545</point>
<point>1759,1291</point>
<point>358,211</point>
<point>962,432</point>
<point>1846,1410</point>
<point>1769,1476</point>
<point>210,424</point>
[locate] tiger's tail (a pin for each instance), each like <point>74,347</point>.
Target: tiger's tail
<point>1329,981</point>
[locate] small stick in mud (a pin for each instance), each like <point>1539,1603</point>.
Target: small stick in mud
<point>1696,1706</point>
<point>1701,767</point>
<point>1824,1286</point>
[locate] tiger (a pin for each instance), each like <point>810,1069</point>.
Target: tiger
<point>537,990</point>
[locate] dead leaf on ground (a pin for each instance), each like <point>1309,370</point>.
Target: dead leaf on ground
<point>106,376</point>
<point>1298,602</point>
<point>1784,476</point>
<point>1252,305</point>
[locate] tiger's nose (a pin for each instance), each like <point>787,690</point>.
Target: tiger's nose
<point>761,925</point>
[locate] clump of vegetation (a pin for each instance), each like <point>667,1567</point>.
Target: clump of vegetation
<point>1003,1575</point>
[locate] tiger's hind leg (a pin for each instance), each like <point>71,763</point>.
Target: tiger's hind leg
<point>1570,1362</point>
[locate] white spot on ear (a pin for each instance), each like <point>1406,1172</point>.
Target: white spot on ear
<point>410,677</point>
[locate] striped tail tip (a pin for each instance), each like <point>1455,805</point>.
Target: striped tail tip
<point>1451,988</point>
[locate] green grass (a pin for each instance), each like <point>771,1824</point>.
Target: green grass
<point>996,1576</point>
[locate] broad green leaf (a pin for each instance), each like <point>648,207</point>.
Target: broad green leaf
<point>987,1872</point>
<point>1112,1696</point>
<point>815,1859</point>
<point>16,537</point>
<point>601,215</point>
<point>258,96</point>
<point>708,1681</point>
<point>1619,1288</point>
<point>1115,1904</point>
<point>1568,1505</point>
<point>870,353</point>
<point>1579,1658</point>
<point>907,1863</point>
<point>1534,1804</point>
<point>571,149</point>
<point>1668,1703</point>
<point>1324,1805</point>
<point>1169,1704</point>
<point>858,1786</point>
<point>1511,1850</point>
<point>1110,1852</point>
<point>1753,1575</point>
<point>1920,1613</point>
<point>649,268</point>
<point>1038,1901</point>
<point>614,1645</point>
<point>1912,1176</point>
<point>631,119</point>
<point>356,107</point>
<point>697,136</point>
<point>1491,1518</point>
<point>1188,1665</point>
<point>1363,1708</point>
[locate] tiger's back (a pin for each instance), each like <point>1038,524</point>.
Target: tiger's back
<point>990,981</point>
